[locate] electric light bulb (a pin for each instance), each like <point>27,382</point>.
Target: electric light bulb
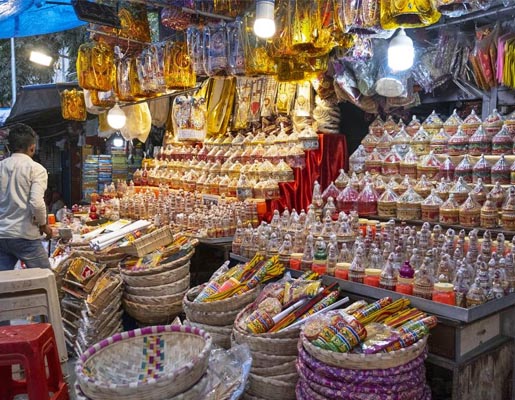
<point>264,25</point>
<point>116,118</point>
<point>401,52</point>
<point>118,142</point>
<point>40,58</point>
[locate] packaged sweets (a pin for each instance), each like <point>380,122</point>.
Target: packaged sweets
<point>501,171</point>
<point>502,142</point>
<point>470,212</point>
<point>481,170</point>
<point>480,143</point>
<point>458,143</point>
<point>452,123</point>
<point>433,124</point>
<point>471,123</point>
<point>430,207</point>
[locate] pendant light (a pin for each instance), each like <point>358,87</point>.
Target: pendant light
<point>264,25</point>
<point>116,118</point>
<point>401,52</point>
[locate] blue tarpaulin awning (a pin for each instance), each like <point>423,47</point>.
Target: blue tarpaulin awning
<point>19,18</point>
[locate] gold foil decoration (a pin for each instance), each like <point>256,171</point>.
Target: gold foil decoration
<point>178,69</point>
<point>408,13</point>
<point>73,106</point>
<point>95,66</point>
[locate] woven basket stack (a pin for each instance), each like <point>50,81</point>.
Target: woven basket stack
<point>91,303</point>
<point>216,317</point>
<point>159,362</point>
<point>273,375</point>
<point>154,295</point>
<point>329,375</point>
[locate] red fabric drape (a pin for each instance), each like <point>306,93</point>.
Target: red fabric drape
<point>323,165</point>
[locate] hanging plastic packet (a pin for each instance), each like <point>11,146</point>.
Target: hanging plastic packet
<point>195,40</point>
<point>240,118</point>
<point>215,48</point>
<point>269,95</point>
<point>73,106</point>
<point>178,70</point>
<point>189,116</point>
<point>150,71</point>
<point>257,60</point>
<point>236,51</point>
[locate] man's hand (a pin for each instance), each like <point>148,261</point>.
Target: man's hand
<point>45,229</point>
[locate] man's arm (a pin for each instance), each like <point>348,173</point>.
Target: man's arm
<point>36,197</point>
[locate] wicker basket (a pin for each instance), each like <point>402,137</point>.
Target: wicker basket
<point>221,335</point>
<point>230,304</point>
<point>263,360</point>
<point>240,326</point>
<point>183,259</point>
<point>365,361</point>
<point>267,345</point>
<point>121,366</point>
<point>148,243</point>
<point>210,318</point>
<point>155,300</point>
<point>281,369</point>
<point>162,278</point>
<point>281,387</point>
<point>160,290</point>
<point>152,314</point>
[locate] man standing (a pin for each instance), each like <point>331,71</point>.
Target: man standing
<point>23,217</point>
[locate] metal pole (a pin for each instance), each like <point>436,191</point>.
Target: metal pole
<point>13,72</point>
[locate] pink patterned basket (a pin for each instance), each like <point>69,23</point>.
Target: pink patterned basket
<point>152,363</point>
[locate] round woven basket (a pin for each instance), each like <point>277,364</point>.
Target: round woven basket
<point>162,278</point>
<point>230,304</point>
<point>240,326</point>
<point>152,363</point>
<point>280,387</point>
<point>263,360</point>
<point>161,267</point>
<point>160,290</point>
<point>267,345</point>
<point>286,368</point>
<point>221,335</point>
<point>155,300</point>
<point>152,314</point>
<point>365,361</point>
<point>210,318</point>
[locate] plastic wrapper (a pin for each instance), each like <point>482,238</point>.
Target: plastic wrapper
<point>420,142</point>
<point>480,143</point>
<point>479,192</point>
<point>189,117</point>
<point>460,190</point>
<point>501,172</point>
<point>376,128</point>
<point>384,145</point>
<point>357,160</point>
<point>195,41</point>
<point>484,55</point>
<point>401,142</point>
<point>489,216</point>
<point>73,106</point>
<point>442,189</point>
<point>464,169</point>
<point>178,68</point>
<point>458,143</point>
<point>429,75</point>
<point>387,204</point>
<point>236,51</point>
<point>433,123</point>
<point>438,142</point>
<point>374,162</point>
<point>423,187</point>
<point>502,142</point>
<point>430,166</point>
<point>470,212</point>
<point>95,66</point>
<point>408,205</point>
<point>173,17</point>
<point>298,289</point>
<point>257,60</point>
<point>408,165</point>
<point>430,207</point>
<point>215,47</point>
<point>413,126</point>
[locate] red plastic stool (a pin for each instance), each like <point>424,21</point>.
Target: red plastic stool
<point>29,345</point>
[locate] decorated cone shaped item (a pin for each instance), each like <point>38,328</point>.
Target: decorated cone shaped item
<point>367,201</point>
<point>493,123</point>
<point>413,126</point>
<point>501,171</point>
<point>391,163</point>
<point>370,142</point>
<point>442,189</point>
<point>374,162</point>
<point>423,187</point>
<point>408,205</point>
<point>479,192</point>
<point>447,169</point>
<point>471,123</point>
<point>387,204</point>
<point>508,211</point>
<point>408,165</point>
<point>384,145</point>
<point>430,207</point>
<point>460,190</point>
<point>420,142</point>
<point>376,128</point>
<point>452,123</point>
<point>379,185</point>
<point>433,124</point>
<point>481,170</point>
<point>480,143</point>
<point>450,211</point>
<point>458,143</point>
<point>470,212</point>
<point>390,126</point>
<point>429,166</point>
<point>502,142</point>
<point>346,200</point>
<point>439,141</point>
<point>498,195</point>
<point>357,160</point>
<point>401,142</point>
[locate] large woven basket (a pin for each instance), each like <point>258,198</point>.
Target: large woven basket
<point>183,258</point>
<point>162,278</point>
<point>160,290</point>
<point>152,363</point>
<point>267,345</point>
<point>221,335</point>
<point>148,243</point>
<point>365,361</point>
<point>240,326</point>
<point>155,300</point>
<point>264,360</point>
<point>230,304</point>
<point>152,314</point>
<point>281,387</point>
<point>210,318</point>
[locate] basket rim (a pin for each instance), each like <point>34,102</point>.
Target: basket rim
<point>185,259</point>
<point>415,348</point>
<point>151,330</point>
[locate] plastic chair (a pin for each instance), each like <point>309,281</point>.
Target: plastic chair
<point>30,345</point>
<point>32,292</point>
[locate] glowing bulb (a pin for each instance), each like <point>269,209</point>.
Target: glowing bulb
<point>40,58</point>
<point>401,52</point>
<point>118,142</point>
<point>116,118</point>
<point>264,25</point>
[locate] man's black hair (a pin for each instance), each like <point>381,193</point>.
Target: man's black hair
<point>21,137</point>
